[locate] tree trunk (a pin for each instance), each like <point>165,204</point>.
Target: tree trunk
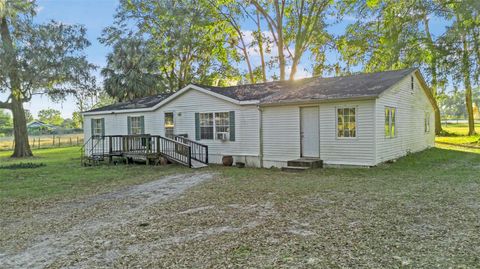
<point>468,85</point>
<point>295,63</point>
<point>280,42</point>
<point>22,147</point>
<point>260,48</point>
<point>433,69</point>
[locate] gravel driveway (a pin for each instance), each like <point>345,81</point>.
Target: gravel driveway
<point>68,234</point>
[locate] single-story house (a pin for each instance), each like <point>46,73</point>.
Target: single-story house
<point>361,119</point>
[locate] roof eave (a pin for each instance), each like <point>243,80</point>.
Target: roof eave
<point>316,101</point>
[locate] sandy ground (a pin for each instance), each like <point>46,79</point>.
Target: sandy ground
<point>68,234</point>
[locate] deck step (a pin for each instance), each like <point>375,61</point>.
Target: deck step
<point>295,168</point>
<point>306,162</point>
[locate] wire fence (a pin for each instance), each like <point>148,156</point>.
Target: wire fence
<point>45,141</point>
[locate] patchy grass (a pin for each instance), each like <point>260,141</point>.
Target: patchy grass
<point>457,134</point>
<point>422,211</point>
<point>62,176</point>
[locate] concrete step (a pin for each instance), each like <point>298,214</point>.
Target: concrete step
<point>306,162</point>
<point>294,168</point>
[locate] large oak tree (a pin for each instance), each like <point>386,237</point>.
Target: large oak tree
<point>37,59</point>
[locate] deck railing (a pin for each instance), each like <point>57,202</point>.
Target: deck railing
<point>199,151</point>
<point>147,146</point>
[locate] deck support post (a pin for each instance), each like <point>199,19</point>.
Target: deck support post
<point>110,150</point>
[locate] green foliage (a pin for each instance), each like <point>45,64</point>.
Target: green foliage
<point>131,71</point>
<point>28,116</point>
<point>5,119</point>
<point>174,43</point>
<point>50,116</point>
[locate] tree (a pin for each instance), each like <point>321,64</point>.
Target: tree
<point>392,34</point>
<point>460,43</point>
<point>185,39</point>
<point>298,24</point>
<point>50,116</point>
<point>28,116</point>
<point>37,58</point>
<point>5,119</point>
<point>131,71</point>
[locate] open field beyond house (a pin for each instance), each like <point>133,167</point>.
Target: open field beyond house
<point>421,211</point>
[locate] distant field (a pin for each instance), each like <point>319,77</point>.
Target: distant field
<point>457,134</point>
<point>45,141</point>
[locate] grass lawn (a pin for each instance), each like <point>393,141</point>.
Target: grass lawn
<point>422,211</point>
<point>62,177</point>
<point>457,134</point>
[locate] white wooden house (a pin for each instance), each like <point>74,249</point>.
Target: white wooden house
<point>362,119</point>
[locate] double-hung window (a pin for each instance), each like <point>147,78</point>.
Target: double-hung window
<point>346,122</point>
<point>215,126</point>
<point>390,115</point>
<point>427,122</point>
<point>97,127</point>
<point>136,125</point>
<point>222,125</point>
<point>206,126</point>
<point>169,124</point>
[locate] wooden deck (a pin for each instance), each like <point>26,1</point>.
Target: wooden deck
<point>148,148</point>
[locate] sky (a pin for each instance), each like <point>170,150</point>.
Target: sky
<point>95,15</point>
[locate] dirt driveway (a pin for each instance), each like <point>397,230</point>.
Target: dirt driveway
<point>71,234</point>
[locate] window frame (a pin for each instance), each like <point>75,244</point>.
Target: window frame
<point>139,119</point>
<point>390,121</point>
<point>164,123</point>
<point>412,84</point>
<point>355,107</point>
<point>97,124</point>
<point>214,125</point>
<point>426,125</point>
<point>202,126</point>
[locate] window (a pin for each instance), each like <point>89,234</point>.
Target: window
<point>390,122</point>
<point>346,122</point>
<point>412,84</point>
<point>427,122</point>
<point>215,125</point>
<point>136,125</point>
<point>169,124</point>
<point>97,127</point>
<point>206,125</point>
<point>222,125</point>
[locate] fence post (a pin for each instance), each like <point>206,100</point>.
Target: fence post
<point>39,139</point>
<point>77,140</point>
<point>59,141</point>
<point>53,141</point>
<point>71,141</point>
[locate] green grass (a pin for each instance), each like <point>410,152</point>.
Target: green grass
<point>63,177</point>
<point>457,134</point>
<point>419,212</point>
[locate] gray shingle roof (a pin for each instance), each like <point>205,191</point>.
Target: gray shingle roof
<point>317,88</point>
<point>144,102</point>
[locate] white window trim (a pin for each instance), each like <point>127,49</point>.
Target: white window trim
<point>139,122</point>
<point>215,126</point>
<point>390,125</point>
<point>356,123</point>
<point>94,126</point>
<point>174,121</point>
<point>426,122</point>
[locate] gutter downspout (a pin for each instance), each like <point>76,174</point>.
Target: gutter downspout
<point>260,134</point>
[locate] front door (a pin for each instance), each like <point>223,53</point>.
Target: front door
<point>309,132</point>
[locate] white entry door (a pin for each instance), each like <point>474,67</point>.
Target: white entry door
<point>309,132</point>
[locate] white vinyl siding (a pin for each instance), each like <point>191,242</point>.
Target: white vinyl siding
<point>281,134</point>
<point>409,124</point>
